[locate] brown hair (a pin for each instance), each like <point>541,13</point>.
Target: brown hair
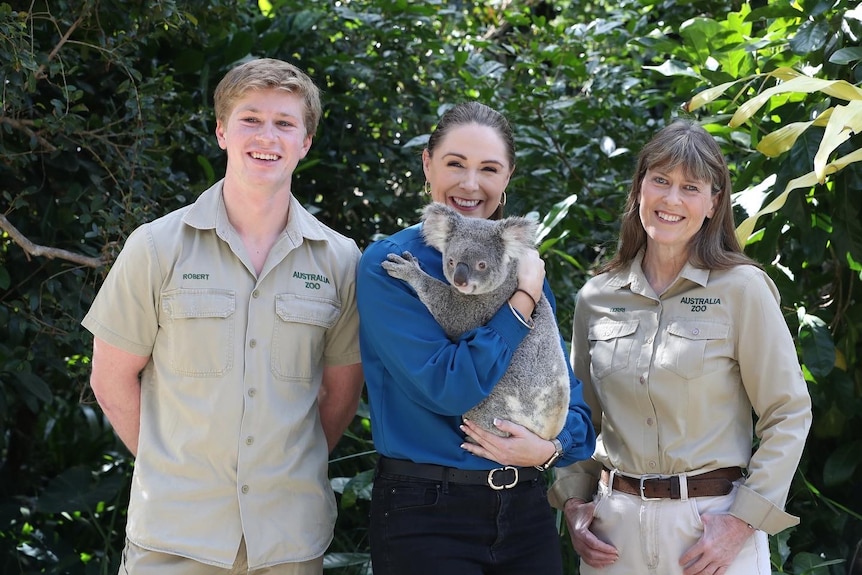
<point>268,73</point>
<point>684,144</point>
<point>475,113</point>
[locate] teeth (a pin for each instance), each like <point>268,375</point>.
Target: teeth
<point>668,217</point>
<point>466,203</point>
<point>259,156</point>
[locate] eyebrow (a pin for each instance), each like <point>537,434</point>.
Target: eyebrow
<point>254,110</point>
<point>463,157</point>
<point>686,179</point>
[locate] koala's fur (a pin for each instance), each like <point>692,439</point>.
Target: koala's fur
<point>480,259</point>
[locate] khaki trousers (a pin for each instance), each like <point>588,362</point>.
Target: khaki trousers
<point>651,536</point>
<point>139,561</point>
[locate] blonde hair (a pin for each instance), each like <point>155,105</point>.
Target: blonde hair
<point>687,145</point>
<point>263,74</point>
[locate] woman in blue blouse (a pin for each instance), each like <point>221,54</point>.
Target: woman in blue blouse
<point>441,504</point>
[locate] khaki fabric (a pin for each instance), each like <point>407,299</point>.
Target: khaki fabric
<point>672,381</point>
<point>139,561</point>
<point>653,535</point>
<point>231,442</point>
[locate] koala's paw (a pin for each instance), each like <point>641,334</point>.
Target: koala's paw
<point>404,267</point>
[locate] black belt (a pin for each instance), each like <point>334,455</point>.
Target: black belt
<point>499,478</point>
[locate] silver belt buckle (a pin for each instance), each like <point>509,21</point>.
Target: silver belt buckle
<point>641,486</point>
<point>506,485</point>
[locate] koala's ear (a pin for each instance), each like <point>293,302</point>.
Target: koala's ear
<point>439,220</point>
<point>518,234</point>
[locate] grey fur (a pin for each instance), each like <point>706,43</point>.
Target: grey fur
<point>481,256</point>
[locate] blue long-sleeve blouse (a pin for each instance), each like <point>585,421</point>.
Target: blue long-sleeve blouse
<point>420,383</point>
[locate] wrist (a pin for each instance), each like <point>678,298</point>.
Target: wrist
<point>555,456</point>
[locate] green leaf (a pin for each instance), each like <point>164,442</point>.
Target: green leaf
<point>34,386</point>
<point>810,37</point>
<point>846,56</point>
<point>5,279</point>
<point>818,350</point>
<point>74,490</point>
<point>674,68</point>
<point>842,463</point>
<point>337,560</point>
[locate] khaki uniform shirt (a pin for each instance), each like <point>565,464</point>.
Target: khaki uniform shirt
<point>231,442</point>
<point>672,381</point>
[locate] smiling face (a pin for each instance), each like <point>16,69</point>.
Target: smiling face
<point>673,207</point>
<point>469,170</point>
<point>265,138</point>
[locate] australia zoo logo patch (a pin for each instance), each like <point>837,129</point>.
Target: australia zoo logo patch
<point>312,281</point>
<point>700,303</point>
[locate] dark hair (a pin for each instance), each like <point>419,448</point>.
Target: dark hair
<point>475,113</point>
<point>684,144</point>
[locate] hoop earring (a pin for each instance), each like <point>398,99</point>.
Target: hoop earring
<point>426,189</point>
<point>503,200</point>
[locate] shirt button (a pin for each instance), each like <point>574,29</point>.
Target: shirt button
<point>249,440</point>
<point>649,421</point>
<point>649,340</point>
<point>651,465</point>
<point>252,343</point>
<point>695,331</point>
<point>642,379</point>
<point>252,392</point>
<point>255,294</point>
<point>244,489</point>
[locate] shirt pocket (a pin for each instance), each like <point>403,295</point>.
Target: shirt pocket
<point>299,334</point>
<point>685,350</point>
<point>199,325</point>
<point>611,345</point>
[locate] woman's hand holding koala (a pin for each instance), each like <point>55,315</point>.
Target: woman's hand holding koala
<point>522,448</point>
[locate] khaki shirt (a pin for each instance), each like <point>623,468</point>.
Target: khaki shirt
<point>231,442</point>
<point>672,381</point>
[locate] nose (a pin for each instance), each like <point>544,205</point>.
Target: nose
<point>470,181</point>
<point>266,132</point>
<point>461,275</point>
<point>673,194</point>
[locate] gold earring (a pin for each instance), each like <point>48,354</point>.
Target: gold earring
<point>426,189</point>
<point>503,201</point>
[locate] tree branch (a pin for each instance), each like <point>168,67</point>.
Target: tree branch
<point>40,73</point>
<point>51,253</point>
<point>24,126</point>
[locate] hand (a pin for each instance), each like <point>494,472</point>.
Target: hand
<point>522,448</point>
<point>531,273</point>
<point>723,537</point>
<point>592,550</point>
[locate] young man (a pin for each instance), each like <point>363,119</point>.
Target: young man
<point>226,355</point>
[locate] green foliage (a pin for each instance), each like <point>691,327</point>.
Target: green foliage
<point>106,122</point>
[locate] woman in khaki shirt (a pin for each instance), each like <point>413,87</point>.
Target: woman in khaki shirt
<point>677,340</point>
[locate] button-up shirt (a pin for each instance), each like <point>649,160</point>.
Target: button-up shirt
<point>231,442</point>
<point>672,380</point>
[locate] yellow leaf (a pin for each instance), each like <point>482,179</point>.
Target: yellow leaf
<point>746,228</point>
<point>803,84</point>
<point>707,96</point>
<point>845,121</point>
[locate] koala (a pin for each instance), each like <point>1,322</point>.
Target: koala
<point>480,262</point>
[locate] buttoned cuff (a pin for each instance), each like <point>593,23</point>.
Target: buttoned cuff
<point>760,513</point>
<point>580,484</point>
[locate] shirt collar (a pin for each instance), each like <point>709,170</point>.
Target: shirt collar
<point>633,276</point>
<point>208,212</point>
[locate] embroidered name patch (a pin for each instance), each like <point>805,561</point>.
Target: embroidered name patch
<point>312,281</point>
<point>700,303</point>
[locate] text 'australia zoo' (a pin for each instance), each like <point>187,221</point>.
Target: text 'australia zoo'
<point>312,281</point>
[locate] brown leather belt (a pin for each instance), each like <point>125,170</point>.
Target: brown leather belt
<point>709,484</point>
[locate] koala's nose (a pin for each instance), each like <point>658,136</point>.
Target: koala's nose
<point>462,272</point>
